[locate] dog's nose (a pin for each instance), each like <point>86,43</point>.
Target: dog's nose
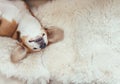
<point>42,45</point>
<point>41,42</point>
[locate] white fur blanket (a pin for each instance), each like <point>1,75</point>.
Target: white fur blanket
<point>89,53</point>
<point>31,69</point>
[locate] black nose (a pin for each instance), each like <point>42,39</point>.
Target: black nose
<point>41,42</point>
<point>42,45</point>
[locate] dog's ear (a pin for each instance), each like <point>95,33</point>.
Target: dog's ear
<point>19,53</point>
<point>54,34</point>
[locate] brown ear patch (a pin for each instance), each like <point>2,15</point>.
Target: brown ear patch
<point>54,34</point>
<point>7,28</point>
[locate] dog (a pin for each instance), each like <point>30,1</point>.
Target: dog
<point>17,22</point>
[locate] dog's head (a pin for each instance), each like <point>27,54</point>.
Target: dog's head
<point>34,43</point>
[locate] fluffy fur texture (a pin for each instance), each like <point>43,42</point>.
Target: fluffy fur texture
<point>30,71</point>
<point>89,53</point>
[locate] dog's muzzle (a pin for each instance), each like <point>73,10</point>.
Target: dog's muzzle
<point>40,42</point>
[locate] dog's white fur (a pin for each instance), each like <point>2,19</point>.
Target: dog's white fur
<point>89,52</point>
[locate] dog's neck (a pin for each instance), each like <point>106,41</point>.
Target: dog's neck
<point>26,27</point>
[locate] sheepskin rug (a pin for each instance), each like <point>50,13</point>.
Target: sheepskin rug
<point>30,71</point>
<point>89,53</point>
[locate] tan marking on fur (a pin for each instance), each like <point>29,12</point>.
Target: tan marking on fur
<point>7,28</point>
<point>16,36</point>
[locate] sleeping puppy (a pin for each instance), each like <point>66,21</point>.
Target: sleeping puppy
<point>17,22</point>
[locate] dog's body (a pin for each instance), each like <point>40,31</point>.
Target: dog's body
<point>15,18</point>
<point>16,13</point>
<point>16,21</point>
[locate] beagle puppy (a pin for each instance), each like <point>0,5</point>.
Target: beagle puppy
<point>17,22</point>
